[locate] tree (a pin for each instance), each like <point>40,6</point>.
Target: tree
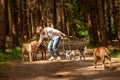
<point>2,24</point>
<point>116,16</point>
<point>108,18</point>
<point>102,26</point>
<point>93,23</point>
<point>13,23</point>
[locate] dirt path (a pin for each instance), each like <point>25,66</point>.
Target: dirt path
<point>61,70</point>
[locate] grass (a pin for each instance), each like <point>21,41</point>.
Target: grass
<point>10,55</point>
<point>115,54</point>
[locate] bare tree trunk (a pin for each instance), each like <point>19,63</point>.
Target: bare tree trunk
<point>100,6</point>
<point>10,24</point>
<point>92,23</point>
<point>108,15</point>
<point>29,19</point>
<point>55,14</point>
<point>65,20</point>
<point>21,37</point>
<point>116,16</point>
<point>2,25</point>
<point>14,22</point>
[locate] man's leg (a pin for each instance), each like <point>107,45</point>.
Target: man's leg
<point>55,45</point>
<point>50,50</point>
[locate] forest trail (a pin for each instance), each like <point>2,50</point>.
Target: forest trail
<point>61,70</point>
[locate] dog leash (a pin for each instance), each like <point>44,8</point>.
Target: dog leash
<point>64,51</point>
<point>68,42</point>
<point>63,44</point>
<point>69,45</point>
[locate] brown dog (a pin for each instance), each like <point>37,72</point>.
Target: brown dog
<point>101,53</point>
<point>42,49</point>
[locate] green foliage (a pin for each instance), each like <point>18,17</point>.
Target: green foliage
<point>82,31</point>
<point>90,46</point>
<point>11,54</point>
<point>115,53</point>
<point>76,18</point>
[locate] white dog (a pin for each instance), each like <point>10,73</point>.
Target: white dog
<point>70,55</point>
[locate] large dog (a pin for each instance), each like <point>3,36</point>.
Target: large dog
<point>101,53</point>
<point>27,47</point>
<point>30,48</point>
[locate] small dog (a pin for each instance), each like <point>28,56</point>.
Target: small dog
<point>82,53</point>
<point>101,53</point>
<point>70,55</point>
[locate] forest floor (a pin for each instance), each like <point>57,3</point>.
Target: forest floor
<point>61,70</point>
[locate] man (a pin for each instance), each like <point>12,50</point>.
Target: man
<point>54,36</point>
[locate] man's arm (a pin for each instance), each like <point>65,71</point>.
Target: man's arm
<point>62,34</point>
<point>40,40</point>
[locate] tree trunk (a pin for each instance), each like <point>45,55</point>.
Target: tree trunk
<point>116,16</point>
<point>21,37</point>
<point>2,25</point>
<point>93,23</point>
<point>108,19</point>
<point>55,14</point>
<point>100,5</point>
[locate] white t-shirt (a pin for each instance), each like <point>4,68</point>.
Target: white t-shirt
<point>50,33</point>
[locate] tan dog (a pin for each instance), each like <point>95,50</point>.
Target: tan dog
<point>101,53</point>
<point>27,47</point>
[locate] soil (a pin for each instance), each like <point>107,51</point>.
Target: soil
<point>61,70</point>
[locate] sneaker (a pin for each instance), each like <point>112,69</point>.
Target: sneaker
<point>58,58</point>
<point>51,58</point>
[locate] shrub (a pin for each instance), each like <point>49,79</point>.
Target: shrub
<point>10,54</point>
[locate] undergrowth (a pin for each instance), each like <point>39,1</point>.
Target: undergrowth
<point>115,53</point>
<point>10,55</point>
